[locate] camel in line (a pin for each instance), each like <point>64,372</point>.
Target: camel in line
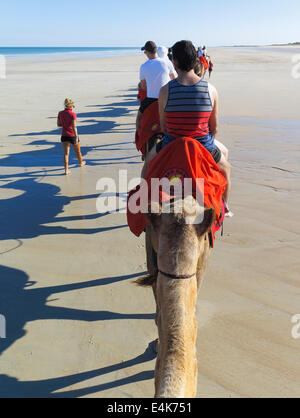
<point>177,256</point>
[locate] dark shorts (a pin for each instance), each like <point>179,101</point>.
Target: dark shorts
<point>146,103</point>
<point>70,139</point>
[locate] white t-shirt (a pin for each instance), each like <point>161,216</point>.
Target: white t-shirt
<point>156,72</point>
<point>171,67</point>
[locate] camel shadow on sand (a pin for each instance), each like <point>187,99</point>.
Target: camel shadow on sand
<point>11,387</point>
<point>20,304</point>
<point>27,215</point>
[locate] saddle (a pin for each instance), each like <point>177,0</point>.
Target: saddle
<point>149,129</point>
<point>184,158</point>
<point>142,94</point>
<point>204,62</point>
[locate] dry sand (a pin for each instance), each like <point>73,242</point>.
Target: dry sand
<point>76,325</point>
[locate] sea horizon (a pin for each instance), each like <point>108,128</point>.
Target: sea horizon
<point>14,52</point>
<point>39,51</point>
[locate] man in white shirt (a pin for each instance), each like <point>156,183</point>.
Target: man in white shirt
<point>154,74</point>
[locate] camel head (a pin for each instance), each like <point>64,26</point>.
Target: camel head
<point>178,232</point>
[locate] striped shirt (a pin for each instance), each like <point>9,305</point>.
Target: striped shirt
<point>188,110</point>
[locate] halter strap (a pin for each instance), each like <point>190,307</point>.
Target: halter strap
<point>173,276</point>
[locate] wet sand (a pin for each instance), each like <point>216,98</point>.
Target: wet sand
<point>76,325</point>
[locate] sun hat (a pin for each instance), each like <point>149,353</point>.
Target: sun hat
<point>162,52</point>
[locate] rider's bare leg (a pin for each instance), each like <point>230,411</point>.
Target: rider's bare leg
<point>225,168</point>
<point>223,149</point>
<point>149,157</point>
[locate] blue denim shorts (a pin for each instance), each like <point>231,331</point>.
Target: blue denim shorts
<point>207,141</point>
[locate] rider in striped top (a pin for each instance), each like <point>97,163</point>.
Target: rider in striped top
<point>188,111</point>
<point>189,107</point>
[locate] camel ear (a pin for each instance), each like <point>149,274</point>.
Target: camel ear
<point>206,224</point>
<point>154,213</point>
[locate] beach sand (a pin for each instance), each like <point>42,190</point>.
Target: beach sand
<point>76,325</point>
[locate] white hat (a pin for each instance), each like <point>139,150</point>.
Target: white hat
<point>162,52</point>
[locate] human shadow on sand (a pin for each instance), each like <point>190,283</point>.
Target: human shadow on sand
<point>93,127</point>
<point>27,215</point>
<point>11,387</point>
<point>131,96</point>
<point>123,106</point>
<point>107,112</point>
<point>20,304</point>
<point>52,157</point>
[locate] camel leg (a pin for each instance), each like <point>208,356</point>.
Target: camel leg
<point>203,261</point>
<point>153,271</point>
<point>151,263</point>
<point>158,361</point>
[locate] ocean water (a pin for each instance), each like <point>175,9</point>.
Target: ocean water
<point>283,50</point>
<point>45,52</point>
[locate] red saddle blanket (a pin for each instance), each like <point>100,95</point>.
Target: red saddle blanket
<point>217,225</point>
<point>142,94</point>
<point>183,158</point>
<point>149,126</point>
<point>204,62</point>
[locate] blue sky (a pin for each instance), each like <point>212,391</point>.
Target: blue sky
<point>132,22</point>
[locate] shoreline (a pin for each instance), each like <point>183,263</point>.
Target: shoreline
<point>119,53</point>
<point>44,52</point>
<point>63,56</point>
